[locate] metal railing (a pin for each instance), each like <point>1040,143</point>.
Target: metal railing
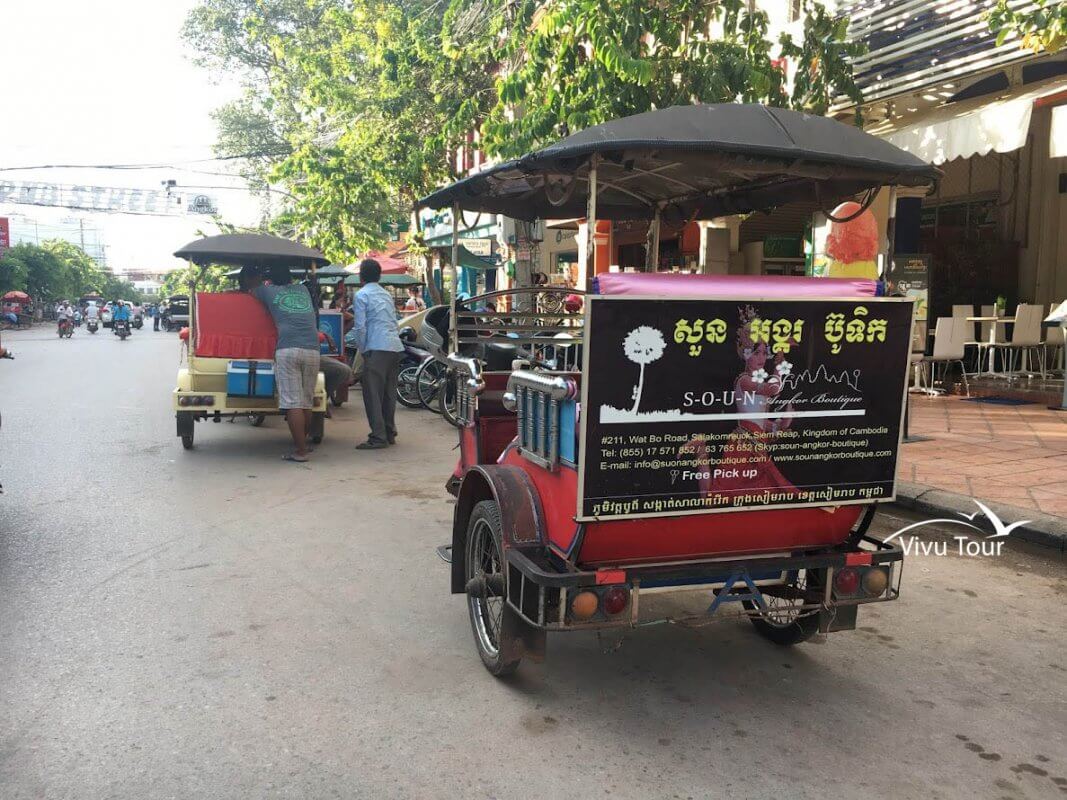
<point>546,321</point>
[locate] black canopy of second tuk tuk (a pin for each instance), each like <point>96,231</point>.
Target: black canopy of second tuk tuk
<point>256,249</point>
<point>698,161</point>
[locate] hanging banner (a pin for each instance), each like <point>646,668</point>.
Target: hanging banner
<point>5,234</point>
<point>696,406</point>
<point>106,198</point>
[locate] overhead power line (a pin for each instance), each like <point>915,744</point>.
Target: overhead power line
<point>151,165</point>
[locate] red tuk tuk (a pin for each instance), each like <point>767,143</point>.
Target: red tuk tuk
<point>731,434</point>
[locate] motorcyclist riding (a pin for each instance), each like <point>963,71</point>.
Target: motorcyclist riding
<point>64,315</point>
<point>120,312</point>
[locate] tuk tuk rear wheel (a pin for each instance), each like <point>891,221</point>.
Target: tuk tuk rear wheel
<point>786,627</point>
<point>486,577</point>
<point>185,428</point>
<point>318,427</point>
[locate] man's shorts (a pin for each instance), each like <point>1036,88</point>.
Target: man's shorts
<point>296,370</point>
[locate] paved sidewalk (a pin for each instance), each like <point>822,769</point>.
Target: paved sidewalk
<point>1015,455</point>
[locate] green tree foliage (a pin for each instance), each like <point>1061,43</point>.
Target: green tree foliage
<point>584,62</point>
<point>356,105</point>
<point>1042,28</point>
<point>57,270</point>
<point>211,279</point>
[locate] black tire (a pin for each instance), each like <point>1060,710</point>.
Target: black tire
<point>483,549</point>
<point>186,427</point>
<point>318,427</point>
<point>794,629</point>
<point>446,400</point>
<point>257,419</point>
<point>428,382</point>
<point>406,388</point>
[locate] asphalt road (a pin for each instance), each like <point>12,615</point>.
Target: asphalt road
<point>220,624</point>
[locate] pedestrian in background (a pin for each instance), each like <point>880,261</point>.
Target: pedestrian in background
<point>378,340</point>
<point>415,302</point>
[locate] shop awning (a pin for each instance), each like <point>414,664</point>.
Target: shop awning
<point>969,128</point>
<point>468,260</point>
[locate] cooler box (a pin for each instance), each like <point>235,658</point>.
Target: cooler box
<point>250,378</point>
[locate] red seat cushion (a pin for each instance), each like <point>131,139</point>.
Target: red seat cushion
<point>233,325</point>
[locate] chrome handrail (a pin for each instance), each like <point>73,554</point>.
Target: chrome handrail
<point>556,387</point>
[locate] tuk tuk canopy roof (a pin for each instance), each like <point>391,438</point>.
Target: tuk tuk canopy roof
<point>326,273</point>
<point>239,249</point>
<point>698,161</point>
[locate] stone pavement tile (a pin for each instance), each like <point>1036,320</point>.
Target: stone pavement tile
<point>1038,477</point>
<point>1050,502</point>
<point>1003,493</point>
<point>950,483</point>
<point>995,470</point>
<point>1052,486</point>
<point>1057,460</point>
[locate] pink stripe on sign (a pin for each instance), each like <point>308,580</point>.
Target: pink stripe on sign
<point>730,286</point>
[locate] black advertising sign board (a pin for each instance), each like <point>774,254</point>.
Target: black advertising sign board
<point>909,276</point>
<point>696,406</point>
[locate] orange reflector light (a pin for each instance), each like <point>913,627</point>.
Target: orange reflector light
<point>584,605</point>
<point>875,582</point>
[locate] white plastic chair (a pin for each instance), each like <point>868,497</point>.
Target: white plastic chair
<point>981,344</point>
<point>1053,339</point>
<point>950,338</point>
<point>1025,337</point>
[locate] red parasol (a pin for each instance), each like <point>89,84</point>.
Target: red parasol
<point>15,295</point>
<point>390,265</point>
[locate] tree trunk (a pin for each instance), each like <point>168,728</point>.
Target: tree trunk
<point>640,388</point>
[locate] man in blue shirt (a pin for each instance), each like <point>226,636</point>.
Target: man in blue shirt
<point>378,340</point>
<point>120,312</point>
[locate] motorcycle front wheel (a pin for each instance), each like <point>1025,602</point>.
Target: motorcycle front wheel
<point>407,391</point>
<point>428,382</point>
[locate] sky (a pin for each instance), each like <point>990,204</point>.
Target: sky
<point>111,81</point>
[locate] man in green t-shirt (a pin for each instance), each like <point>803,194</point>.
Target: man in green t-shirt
<point>296,355</point>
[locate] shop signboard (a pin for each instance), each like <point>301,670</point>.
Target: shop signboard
<point>696,406</point>
<point>5,234</point>
<point>909,276</point>
<point>479,247</point>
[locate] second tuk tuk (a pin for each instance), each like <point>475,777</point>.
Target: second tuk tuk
<point>229,369</point>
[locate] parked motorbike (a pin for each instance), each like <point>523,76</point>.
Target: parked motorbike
<point>65,328</point>
<point>92,325</point>
<point>407,391</point>
<point>121,328</point>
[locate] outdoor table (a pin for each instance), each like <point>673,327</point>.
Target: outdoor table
<point>992,339</point>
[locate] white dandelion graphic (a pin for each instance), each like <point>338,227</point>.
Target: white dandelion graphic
<point>643,345</point>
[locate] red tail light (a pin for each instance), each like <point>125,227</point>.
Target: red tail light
<point>846,581</point>
<point>615,601</point>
